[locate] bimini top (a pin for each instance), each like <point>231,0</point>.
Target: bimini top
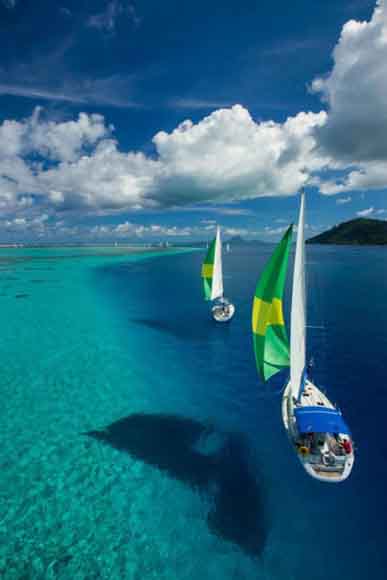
<point>320,420</point>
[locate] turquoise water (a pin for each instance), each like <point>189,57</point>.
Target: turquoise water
<point>138,443</point>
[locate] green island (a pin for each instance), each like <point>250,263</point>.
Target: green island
<point>360,231</point>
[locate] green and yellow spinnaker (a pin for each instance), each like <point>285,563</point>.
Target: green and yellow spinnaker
<point>271,344</point>
<point>208,270</point>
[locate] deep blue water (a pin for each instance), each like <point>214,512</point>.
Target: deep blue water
<point>273,521</point>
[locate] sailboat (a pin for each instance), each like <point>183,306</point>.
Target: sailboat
<point>227,248</point>
<point>212,275</point>
<point>315,427</point>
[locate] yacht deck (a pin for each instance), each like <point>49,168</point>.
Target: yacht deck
<point>314,397</point>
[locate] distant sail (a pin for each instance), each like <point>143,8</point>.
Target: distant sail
<point>212,270</point>
<point>271,344</point>
<point>297,318</point>
<point>217,280</point>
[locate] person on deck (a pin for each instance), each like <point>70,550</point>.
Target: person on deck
<point>347,446</point>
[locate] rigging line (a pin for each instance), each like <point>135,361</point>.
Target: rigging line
<point>321,339</point>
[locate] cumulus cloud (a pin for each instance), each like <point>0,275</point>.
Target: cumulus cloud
<point>355,129</point>
<point>58,141</point>
<point>355,91</point>
<point>229,156</point>
<point>26,147</point>
<point>226,156</point>
<point>368,175</point>
<point>21,225</point>
<point>365,212</point>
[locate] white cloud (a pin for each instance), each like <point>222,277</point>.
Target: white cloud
<point>156,231</point>
<point>140,232</point>
<point>365,212</point>
<point>38,93</point>
<point>344,200</point>
<point>18,225</point>
<point>107,20</point>
<point>27,146</point>
<point>113,91</point>
<point>354,90</point>
<point>231,211</point>
<point>225,157</point>
<point>47,228</point>
<point>228,156</point>
<point>369,175</point>
<point>275,231</point>
<point>235,232</point>
<point>217,209</point>
<point>106,179</point>
<point>63,141</point>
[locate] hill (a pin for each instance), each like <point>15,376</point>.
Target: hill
<point>361,231</point>
<point>239,241</point>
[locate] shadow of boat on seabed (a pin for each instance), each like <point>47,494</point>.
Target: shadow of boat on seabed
<point>203,458</point>
<point>179,329</point>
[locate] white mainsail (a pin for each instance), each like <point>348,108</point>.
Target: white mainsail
<point>297,316</point>
<point>217,277</point>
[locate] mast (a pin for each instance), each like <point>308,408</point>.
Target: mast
<point>217,280</point>
<point>298,309</point>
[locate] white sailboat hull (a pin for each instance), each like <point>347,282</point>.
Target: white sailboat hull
<point>223,312</point>
<point>322,457</point>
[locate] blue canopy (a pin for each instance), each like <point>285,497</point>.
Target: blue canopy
<point>320,420</point>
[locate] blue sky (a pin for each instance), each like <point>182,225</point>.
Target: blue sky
<point>146,120</point>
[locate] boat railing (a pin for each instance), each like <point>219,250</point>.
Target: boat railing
<point>330,468</point>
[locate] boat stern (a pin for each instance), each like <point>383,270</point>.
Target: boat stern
<point>335,474</point>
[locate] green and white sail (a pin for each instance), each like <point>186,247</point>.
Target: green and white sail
<point>271,344</point>
<point>212,270</point>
